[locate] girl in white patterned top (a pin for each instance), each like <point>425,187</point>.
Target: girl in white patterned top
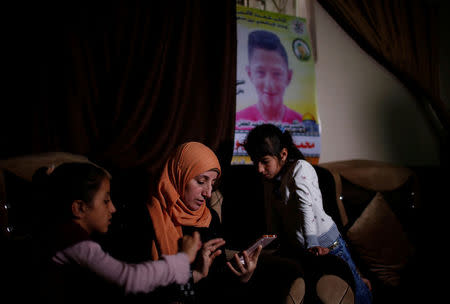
<point>295,206</point>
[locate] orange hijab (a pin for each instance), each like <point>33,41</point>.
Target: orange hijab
<point>167,210</point>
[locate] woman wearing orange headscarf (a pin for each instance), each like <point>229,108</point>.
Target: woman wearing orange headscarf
<point>179,207</point>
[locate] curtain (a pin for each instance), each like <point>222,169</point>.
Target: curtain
<point>401,35</point>
<point>122,82</point>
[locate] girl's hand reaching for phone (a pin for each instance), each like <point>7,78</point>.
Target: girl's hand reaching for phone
<point>210,250</point>
<point>191,245</point>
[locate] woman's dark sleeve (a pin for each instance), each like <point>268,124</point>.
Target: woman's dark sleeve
<point>220,284</point>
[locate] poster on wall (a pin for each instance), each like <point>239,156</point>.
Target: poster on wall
<point>275,80</point>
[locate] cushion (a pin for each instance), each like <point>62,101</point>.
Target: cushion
<point>404,203</point>
<point>355,200</point>
<point>380,241</point>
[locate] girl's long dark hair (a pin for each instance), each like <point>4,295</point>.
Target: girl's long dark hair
<point>68,182</point>
<point>268,139</point>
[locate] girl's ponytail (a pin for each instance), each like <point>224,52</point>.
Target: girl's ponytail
<point>287,142</point>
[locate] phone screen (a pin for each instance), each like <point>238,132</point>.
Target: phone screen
<point>263,241</point>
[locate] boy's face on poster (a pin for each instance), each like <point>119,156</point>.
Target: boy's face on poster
<point>270,75</point>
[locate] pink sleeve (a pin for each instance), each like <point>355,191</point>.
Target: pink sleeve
<point>134,278</point>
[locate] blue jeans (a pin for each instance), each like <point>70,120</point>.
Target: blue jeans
<point>362,292</point>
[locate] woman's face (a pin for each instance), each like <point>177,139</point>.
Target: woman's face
<point>199,189</point>
<point>97,215</point>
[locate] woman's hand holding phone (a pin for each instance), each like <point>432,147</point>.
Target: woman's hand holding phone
<point>245,270</point>
<point>244,263</point>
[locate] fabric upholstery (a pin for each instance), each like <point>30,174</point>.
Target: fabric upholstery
<point>333,290</point>
<point>369,174</point>
<point>296,292</point>
<point>25,166</point>
<point>380,241</point>
<point>355,199</point>
<point>359,175</point>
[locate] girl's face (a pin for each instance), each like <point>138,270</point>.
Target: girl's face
<point>199,189</point>
<point>97,216</point>
<point>269,166</point>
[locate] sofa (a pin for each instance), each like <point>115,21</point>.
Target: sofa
<point>377,205</point>
<point>379,208</point>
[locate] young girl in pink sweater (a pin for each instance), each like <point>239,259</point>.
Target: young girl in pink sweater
<point>79,206</point>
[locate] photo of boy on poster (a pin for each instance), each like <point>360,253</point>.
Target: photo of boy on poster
<point>269,72</point>
<point>275,80</point>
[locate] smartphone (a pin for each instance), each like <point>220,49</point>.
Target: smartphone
<point>264,240</point>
